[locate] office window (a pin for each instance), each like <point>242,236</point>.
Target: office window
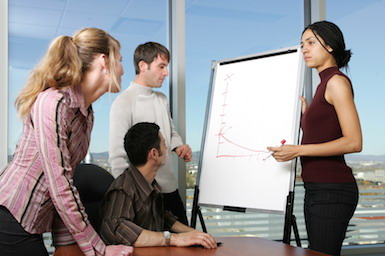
<point>33,24</point>
<point>220,31</point>
<point>362,23</point>
<point>217,30</point>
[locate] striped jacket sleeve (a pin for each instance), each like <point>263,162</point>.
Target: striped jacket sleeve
<point>48,113</point>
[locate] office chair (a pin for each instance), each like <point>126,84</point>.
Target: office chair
<point>92,182</point>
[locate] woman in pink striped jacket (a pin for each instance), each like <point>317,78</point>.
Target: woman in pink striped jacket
<point>37,193</point>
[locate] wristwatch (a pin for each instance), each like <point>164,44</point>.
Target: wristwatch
<point>167,237</point>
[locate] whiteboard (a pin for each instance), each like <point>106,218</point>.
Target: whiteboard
<point>253,103</point>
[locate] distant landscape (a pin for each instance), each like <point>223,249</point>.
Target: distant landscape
<point>359,157</point>
<point>103,156</point>
<point>349,157</point>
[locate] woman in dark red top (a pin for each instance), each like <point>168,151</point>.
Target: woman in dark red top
<point>331,128</point>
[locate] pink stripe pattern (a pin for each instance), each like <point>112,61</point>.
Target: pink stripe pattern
<point>37,184</point>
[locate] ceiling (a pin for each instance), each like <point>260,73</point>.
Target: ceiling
<point>33,24</point>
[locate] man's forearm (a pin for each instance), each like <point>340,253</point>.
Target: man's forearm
<point>150,238</point>
<point>179,227</point>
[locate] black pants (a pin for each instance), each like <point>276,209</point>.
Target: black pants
<point>328,210</point>
<point>173,203</point>
<point>15,241</point>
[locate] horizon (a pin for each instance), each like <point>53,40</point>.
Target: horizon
<point>352,155</point>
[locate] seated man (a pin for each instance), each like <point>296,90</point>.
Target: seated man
<point>133,211</point>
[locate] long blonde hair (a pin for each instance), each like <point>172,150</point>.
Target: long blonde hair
<point>65,63</point>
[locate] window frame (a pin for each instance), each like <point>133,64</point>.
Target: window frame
<point>4,82</point>
<point>314,10</point>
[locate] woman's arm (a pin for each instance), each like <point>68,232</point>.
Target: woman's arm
<point>339,94</point>
<point>49,115</point>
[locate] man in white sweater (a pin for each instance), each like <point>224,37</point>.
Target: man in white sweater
<point>140,103</point>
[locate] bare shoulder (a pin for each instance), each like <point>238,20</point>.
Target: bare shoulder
<point>338,88</point>
<point>338,82</point>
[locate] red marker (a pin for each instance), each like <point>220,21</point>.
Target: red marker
<point>272,152</point>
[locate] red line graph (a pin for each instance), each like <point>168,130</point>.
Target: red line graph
<point>240,146</point>
<point>244,151</point>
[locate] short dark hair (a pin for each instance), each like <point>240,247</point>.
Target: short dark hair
<point>147,52</point>
<point>139,140</point>
<point>332,36</point>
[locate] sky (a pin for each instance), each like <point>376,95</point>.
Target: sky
<point>362,28</point>
<point>360,22</point>
<point>217,30</point>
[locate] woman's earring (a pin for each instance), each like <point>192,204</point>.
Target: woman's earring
<point>106,71</point>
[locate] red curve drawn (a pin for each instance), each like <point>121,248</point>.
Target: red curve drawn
<point>240,146</point>
<point>256,153</point>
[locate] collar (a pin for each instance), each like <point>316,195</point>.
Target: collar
<point>324,73</point>
<point>141,88</point>
<point>142,184</point>
<point>77,99</point>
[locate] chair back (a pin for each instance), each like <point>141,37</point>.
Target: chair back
<point>92,182</point>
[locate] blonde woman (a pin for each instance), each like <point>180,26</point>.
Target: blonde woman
<point>37,193</point>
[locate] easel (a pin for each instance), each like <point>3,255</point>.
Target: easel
<point>228,80</point>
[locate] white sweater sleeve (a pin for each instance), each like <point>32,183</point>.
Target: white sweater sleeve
<point>176,139</point>
<point>120,122</point>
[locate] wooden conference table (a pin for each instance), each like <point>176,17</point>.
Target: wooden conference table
<point>231,246</point>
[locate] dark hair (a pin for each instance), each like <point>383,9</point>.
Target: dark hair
<point>147,52</point>
<point>333,37</point>
<point>139,140</point>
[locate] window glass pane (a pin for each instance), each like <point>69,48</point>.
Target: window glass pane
<point>217,30</point>
<point>362,23</point>
<point>33,24</point>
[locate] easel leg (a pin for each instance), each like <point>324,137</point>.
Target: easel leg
<point>288,218</point>
<point>197,211</point>
<point>202,221</point>
<point>296,233</point>
<point>290,221</point>
<point>195,208</point>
